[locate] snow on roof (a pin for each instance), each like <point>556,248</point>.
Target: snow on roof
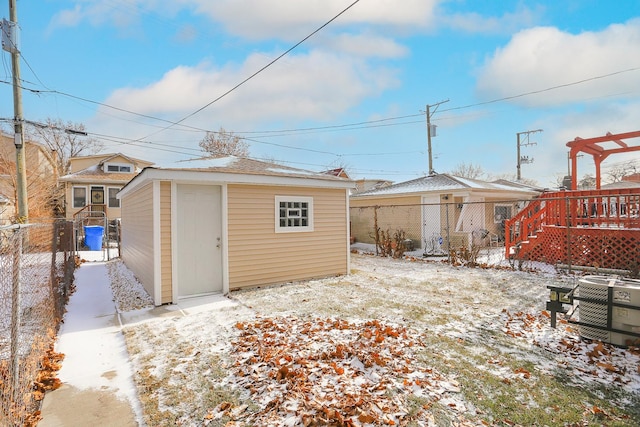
<point>241,165</point>
<point>201,163</point>
<point>96,172</point>
<point>289,171</point>
<point>442,182</point>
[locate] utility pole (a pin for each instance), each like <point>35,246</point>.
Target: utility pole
<point>431,131</point>
<point>524,159</point>
<point>10,44</point>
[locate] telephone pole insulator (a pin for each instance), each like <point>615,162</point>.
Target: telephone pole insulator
<point>524,159</point>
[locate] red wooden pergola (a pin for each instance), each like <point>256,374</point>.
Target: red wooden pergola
<point>596,147</point>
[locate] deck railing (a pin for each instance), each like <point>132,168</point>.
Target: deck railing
<point>601,209</point>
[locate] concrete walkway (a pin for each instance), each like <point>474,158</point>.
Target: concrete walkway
<point>98,388</point>
<point>97,376</point>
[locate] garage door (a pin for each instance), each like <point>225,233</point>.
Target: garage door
<point>199,229</point>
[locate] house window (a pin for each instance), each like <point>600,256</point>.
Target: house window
<point>79,197</point>
<point>502,212</point>
<point>114,167</point>
<point>294,214</point>
<point>114,202</point>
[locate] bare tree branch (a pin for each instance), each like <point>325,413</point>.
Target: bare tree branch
<point>224,143</point>
<point>66,144</point>
<point>468,170</point>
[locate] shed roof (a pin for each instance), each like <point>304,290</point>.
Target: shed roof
<point>444,182</point>
<point>96,173</point>
<point>237,170</point>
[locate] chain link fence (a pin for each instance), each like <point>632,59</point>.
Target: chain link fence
<point>460,233</point>
<point>36,270</point>
<point>594,231</point>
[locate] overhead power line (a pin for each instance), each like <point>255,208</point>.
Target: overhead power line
<point>346,126</point>
<point>259,71</point>
<point>535,92</point>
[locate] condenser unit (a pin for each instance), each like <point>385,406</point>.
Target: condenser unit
<point>601,295</point>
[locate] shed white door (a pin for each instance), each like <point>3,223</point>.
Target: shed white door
<point>199,234</point>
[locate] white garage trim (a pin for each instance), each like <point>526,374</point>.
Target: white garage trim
<point>225,240</point>
<point>157,253</point>
<point>174,240</point>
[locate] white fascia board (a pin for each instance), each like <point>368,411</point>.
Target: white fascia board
<point>157,259</point>
<point>207,177</point>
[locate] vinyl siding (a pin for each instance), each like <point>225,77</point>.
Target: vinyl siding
<point>165,242</point>
<point>80,163</point>
<point>137,235</point>
<point>112,213</point>
<point>259,256</point>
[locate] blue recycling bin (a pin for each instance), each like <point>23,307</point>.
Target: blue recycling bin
<point>93,237</point>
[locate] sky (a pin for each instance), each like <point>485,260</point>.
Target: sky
<point>149,78</point>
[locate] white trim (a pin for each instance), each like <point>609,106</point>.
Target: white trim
<point>348,219</point>
<point>109,198</point>
<point>157,256</point>
<point>297,228</point>
<point>106,165</point>
<point>220,178</point>
<point>73,199</point>
<point>224,219</point>
<point>174,242</point>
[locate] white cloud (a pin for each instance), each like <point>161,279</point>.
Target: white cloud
<point>186,34</point>
<point>366,45</point>
<point>286,20</point>
<point>559,128</point>
<point>544,57</point>
<point>293,19</point>
<point>120,14</point>
<point>476,23</point>
<point>67,18</point>
<point>317,85</point>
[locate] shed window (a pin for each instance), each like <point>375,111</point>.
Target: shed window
<point>294,214</point>
<point>79,197</point>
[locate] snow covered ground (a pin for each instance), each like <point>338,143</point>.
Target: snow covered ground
<point>397,342</point>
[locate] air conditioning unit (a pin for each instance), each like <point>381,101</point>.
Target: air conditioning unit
<point>624,291</point>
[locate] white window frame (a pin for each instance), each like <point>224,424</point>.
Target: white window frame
<point>119,166</point>
<point>293,228</point>
<point>109,205</point>
<point>508,205</point>
<point>73,196</point>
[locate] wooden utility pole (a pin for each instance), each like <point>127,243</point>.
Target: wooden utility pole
<point>429,132</point>
<point>524,159</point>
<point>10,29</point>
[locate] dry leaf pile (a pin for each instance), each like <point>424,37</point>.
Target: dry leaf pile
<point>589,360</point>
<point>310,372</point>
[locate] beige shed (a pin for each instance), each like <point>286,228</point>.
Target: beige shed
<point>212,225</point>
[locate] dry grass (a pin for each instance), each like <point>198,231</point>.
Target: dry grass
<point>464,317</point>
